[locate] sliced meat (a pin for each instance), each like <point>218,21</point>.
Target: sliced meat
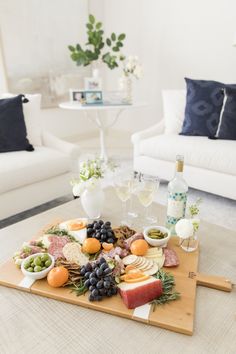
<point>128,242</point>
<point>138,294</point>
<point>171,258</point>
<point>117,251</point>
<point>56,245</point>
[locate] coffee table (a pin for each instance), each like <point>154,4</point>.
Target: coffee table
<point>33,324</point>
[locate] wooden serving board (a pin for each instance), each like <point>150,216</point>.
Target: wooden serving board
<point>177,316</point>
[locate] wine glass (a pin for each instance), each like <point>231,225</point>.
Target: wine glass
<point>147,189</point>
<point>122,184</point>
<point>134,185</point>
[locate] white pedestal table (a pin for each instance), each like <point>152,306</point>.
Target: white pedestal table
<point>98,118</point>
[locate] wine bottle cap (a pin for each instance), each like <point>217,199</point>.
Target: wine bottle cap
<point>179,163</point>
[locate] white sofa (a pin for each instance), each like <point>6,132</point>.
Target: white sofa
<point>210,165</point>
<point>28,179</point>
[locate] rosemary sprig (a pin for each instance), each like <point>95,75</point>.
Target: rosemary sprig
<point>168,283</point>
<point>79,288</point>
<point>54,230</point>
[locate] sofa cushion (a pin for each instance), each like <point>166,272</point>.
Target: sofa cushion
<point>174,102</point>
<point>227,125</point>
<point>216,155</point>
<point>203,107</point>
<point>32,116</point>
<point>21,168</point>
<point>12,125</point>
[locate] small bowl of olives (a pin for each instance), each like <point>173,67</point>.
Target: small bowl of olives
<point>37,265</point>
<point>156,236</point>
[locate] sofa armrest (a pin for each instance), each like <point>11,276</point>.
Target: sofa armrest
<point>156,129</point>
<point>72,150</point>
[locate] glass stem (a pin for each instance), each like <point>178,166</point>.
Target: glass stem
<point>124,204</point>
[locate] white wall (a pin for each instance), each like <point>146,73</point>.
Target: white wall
<point>35,36</point>
<point>173,39</point>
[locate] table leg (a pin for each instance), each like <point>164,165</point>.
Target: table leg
<point>101,126</point>
<point>103,153</point>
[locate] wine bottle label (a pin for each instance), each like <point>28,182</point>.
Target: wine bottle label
<point>176,207</point>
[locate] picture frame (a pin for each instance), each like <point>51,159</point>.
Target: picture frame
<point>76,95</point>
<point>93,97</point>
<point>93,84</point>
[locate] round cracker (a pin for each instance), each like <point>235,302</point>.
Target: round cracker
<point>152,271</point>
<point>129,259</point>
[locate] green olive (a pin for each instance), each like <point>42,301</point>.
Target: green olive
<point>30,269</point>
<point>48,263</point>
<point>45,258</point>
<point>27,264</point>
<point>37,261</point>
<point>37,269</point>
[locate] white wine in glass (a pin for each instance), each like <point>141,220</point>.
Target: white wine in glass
<point>148,187</point>
<point>122,184</point>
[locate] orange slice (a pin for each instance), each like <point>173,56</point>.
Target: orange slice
<point>107,246</point>
<point>134,277</point>
<point>129,267</point>
<point>76,225</point>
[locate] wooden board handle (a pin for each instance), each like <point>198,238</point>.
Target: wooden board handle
<point>214,282</point>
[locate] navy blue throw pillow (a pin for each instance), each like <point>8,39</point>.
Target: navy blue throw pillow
<point>203,107</point>
<point>227,125</point>
<point>12,125</point>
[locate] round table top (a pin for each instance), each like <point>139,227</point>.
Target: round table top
<point>73,105</point>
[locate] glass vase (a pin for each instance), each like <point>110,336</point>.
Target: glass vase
<point>191,244</point>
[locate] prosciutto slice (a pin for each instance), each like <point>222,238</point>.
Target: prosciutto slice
<point>171,258</point>
<point>56,245</point>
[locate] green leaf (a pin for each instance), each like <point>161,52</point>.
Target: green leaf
<point>121,37</point>
<point>71,48</point>
<point>89,26</point>
<point>91,19</point>
<point>101,45</point>
<point>98,25</point>
<point>119,44</point>
<point>78,47</point>
<point>115,49</point>
<point>74,56</point>
<point>113,36</point>
<point>108,41</point>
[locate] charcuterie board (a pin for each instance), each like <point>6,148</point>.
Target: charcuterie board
<point>177,316</point>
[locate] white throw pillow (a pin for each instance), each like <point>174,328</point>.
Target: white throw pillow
<point>32,117</point>
<point>174,102</point>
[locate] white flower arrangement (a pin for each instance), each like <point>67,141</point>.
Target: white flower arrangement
<point>184,228</point>
<point>91,173</point>
<point>133,67</point>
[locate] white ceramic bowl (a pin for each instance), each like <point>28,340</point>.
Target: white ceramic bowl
<point>154,242</point>
<point>36,275</point>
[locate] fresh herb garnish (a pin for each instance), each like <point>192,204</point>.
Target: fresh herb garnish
<point>168,283</point>
<point>79,288</point>
<point>54,230</point>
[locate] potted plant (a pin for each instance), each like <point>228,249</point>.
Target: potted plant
<point>98,48</point>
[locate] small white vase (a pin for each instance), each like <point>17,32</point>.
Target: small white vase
<point>126,86</point>
<point>92,201</point>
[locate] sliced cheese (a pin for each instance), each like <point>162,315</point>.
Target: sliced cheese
<point>130,286</point>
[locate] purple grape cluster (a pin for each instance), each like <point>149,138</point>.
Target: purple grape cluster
<point>102,231</point>
<point>99,280</point>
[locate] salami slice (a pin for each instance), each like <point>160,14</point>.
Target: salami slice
<point>171,258</point>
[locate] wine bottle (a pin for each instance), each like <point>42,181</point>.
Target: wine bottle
<point>177,196</point>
